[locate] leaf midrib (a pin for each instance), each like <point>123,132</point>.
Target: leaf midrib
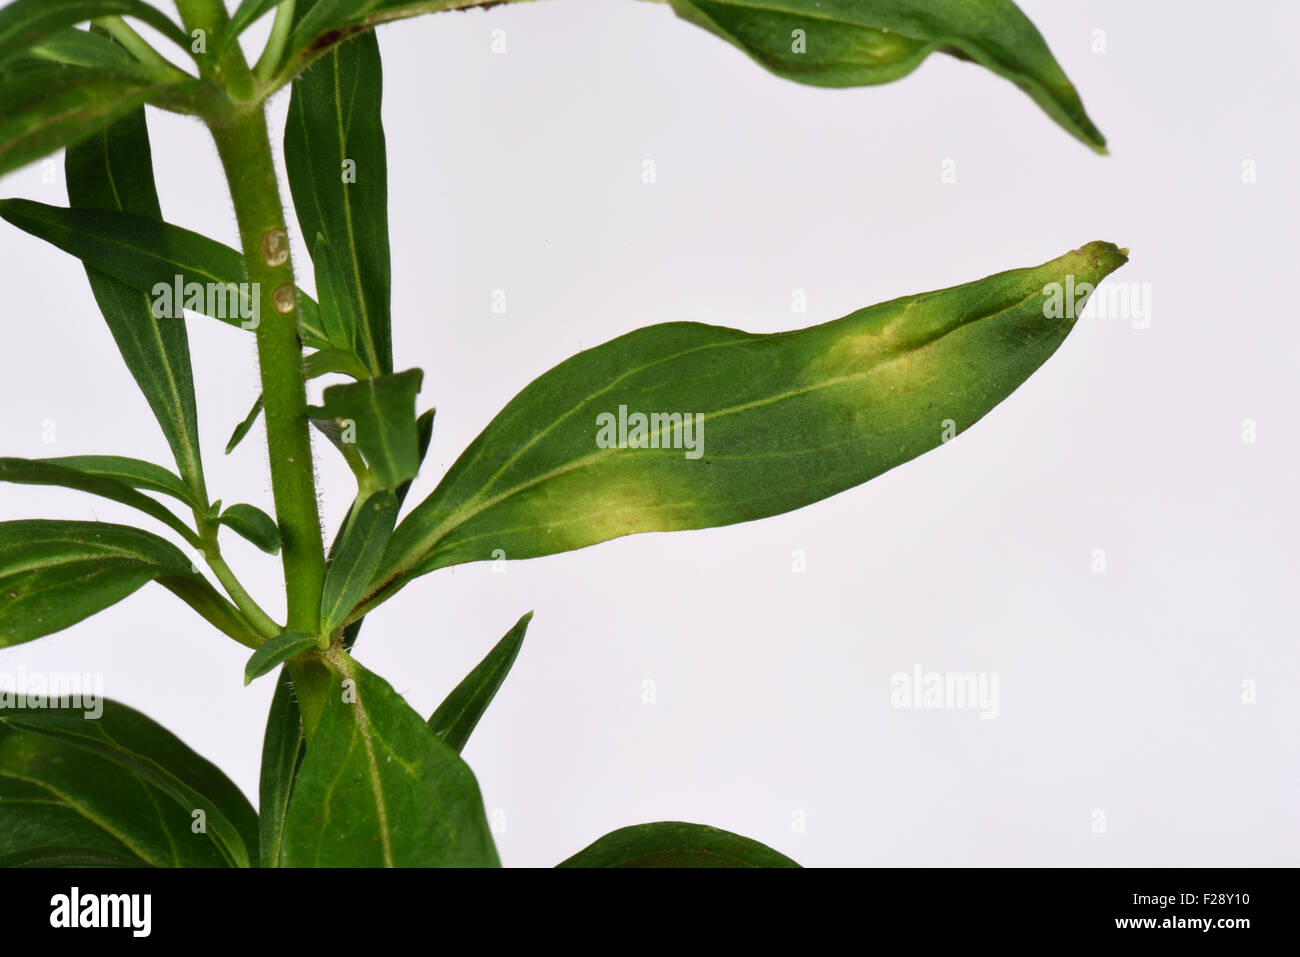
<point>465,513</point>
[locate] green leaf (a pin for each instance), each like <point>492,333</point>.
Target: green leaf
<point>379,788</point>
<point>283,746</point>
<point>153,756</point>
<point>133,472</point>
<point>54,573</point>
<point>674,844</point>
<point>458,716</point>
<point>247,13</point>
<point>337,165</point>
<point>275,652</point>
<point>26,23</point>
<point>840,43</point>
<point>50,105</point>
<point>356,555</point>
<point>315,365</point>
<point>54,855</point>
<point>84,48</point>
<point>323,24</point>
<point>338,312</point>
<point>253,524</point>
<point>113,170</point>
<point>379,415</point>
<point>246,426</point>
<point>57,801</point>
<point>148,255</point>
<point>424,430</point>
<point>36,472</point>
<point>767,423</point>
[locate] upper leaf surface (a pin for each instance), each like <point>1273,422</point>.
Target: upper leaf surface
<point>113,170</point>
<point>355,556</point>
<point>25,23</point>
<point>154,756</point>
<point>37,472</point>
<point>275,652</point>
<point>381,412</point>
<point>253,524</point>
<point>51,105</point>
<point>459,714</point>
<point>55,573</point>
<point>859,42</point>
<point>283,746</point>
<point>378,788</point>
<point>149,255</point>
<point>53,796</point>
<point>338,173</point>
<point>685,425</point>
<point>133,472</point>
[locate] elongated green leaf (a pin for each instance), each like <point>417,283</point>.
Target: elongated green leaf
<point>53,574</point>
<point>244,16</point>
<point>253,524</point>
<point>315,365</point>
<point>379,416</point>
<point>424,430</point>
<point>149,255</point>
<point>283,747</point>
<point>338,311</point>
<point>246,425</point>
<point>425,426</point>
<point>133,472</point>
<point>688,426</point>
<point>379,788</point>
<point>25,23</point>
<point>152,754</point>
<point>458,716</point>
<point>275,652</point>
<point>329,361</point>
<point>674,844</point>
<point>50,105</point>
<point>353,561</point>
<point>335,156</point>
<point>84,48</point>
<point>34,472</point>
<point>861,42</point>
<point>113,170</point>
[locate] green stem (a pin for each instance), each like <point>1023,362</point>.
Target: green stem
<point>258,618</point>
<point>239,130</point>
<point>139,47</point>
<point>270,57</point>
<point>245,152</point>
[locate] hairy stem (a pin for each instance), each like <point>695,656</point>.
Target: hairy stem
<point>245,152</point>
<point>239,130</point>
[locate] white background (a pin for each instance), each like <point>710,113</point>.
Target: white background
<point>1119,692</point>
